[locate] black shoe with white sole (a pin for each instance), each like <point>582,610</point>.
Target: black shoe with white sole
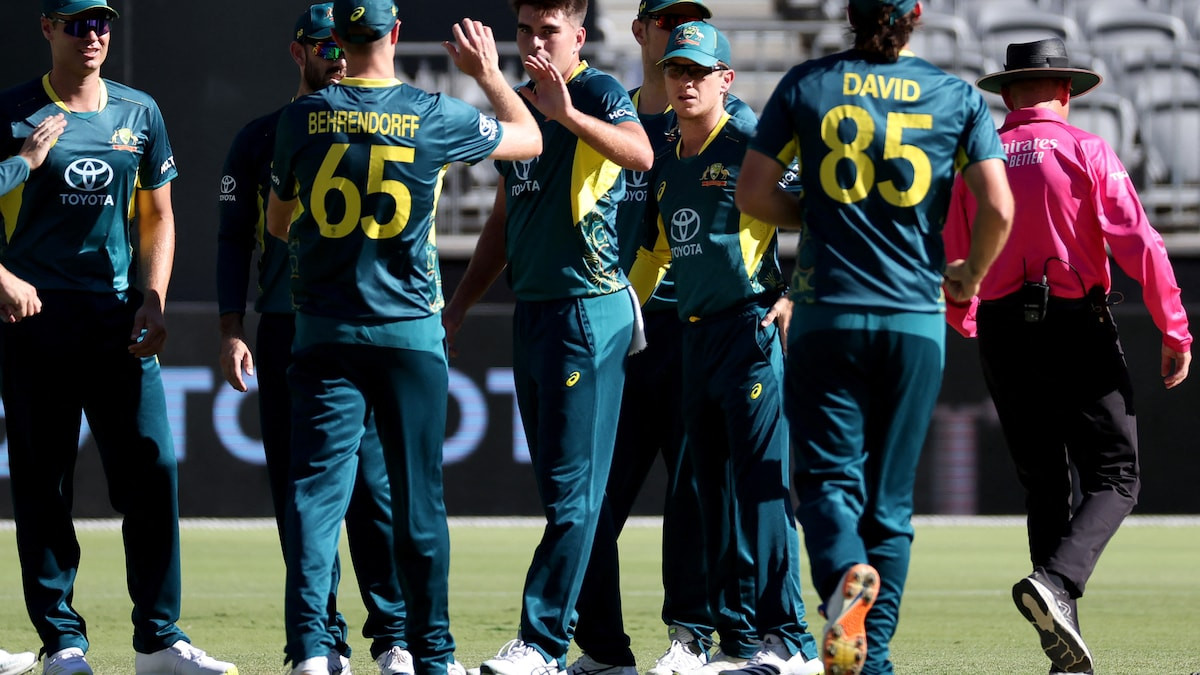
<point>1051,610</point>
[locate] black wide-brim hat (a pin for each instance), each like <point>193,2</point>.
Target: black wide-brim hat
<point>1040,59</point>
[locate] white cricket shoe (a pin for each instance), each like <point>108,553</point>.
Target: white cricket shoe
<point>586,665</point>
<point>683,656</point>
<point>181,658</point>
<point>67,661</point>
<point>395,661</point>
<point>720,662</point>
<point>773,658</point>
<point>16,664</point>
<point>519,658</point>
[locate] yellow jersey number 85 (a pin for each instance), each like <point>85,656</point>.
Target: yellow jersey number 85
<point>327,181</point>
<point>855,151</point>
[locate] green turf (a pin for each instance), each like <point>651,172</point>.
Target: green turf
<point>1140,615</point>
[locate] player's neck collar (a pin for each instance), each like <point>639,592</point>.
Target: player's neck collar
<point>58,101</point>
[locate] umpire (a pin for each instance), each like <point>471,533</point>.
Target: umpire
<point>1051,355</point>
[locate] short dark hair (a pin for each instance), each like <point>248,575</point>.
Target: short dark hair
<point>883,31</point>
<point>576,10</point>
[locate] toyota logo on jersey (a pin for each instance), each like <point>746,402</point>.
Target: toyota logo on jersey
<point>228,185</point>
<point>88,174</point>
<point>524,168</point>
<point>685,224</point>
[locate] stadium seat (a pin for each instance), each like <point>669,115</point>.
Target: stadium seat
<point>970,9</point>
<point>1171,129</point>
<point>1000,24</point>
<point>1112,117</point>
<point>1113,26</point>
<point>1158,72</point>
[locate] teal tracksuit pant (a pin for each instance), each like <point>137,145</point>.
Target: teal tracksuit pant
<point>568,369</point>
<point>369,516</point>
<point>73,357</point>
<point>738,443</point>
<point>861,389</point>
<point>336,389</point>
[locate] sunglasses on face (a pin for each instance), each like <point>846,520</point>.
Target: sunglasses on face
<point>668,21</point>
<point>693,73</point>
<point>82,27</point>
<point>328,50</point>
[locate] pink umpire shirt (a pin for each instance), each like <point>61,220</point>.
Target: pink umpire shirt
<point>1072,195</point>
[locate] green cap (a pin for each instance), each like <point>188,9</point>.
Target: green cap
<point>73,7</point>
<point>656,6</point>
<point>377,16</point>
<point>902,6</point>
<point>315,24</point>
<point>699,42</point>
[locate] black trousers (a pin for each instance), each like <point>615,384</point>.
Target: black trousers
<point>1064,398</point>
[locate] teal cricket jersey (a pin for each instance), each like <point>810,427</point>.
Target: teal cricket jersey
<point>366,159</point>
<point>241,207</point>
<point>561,207</point>
<point>67,227</point>
<point>720,256</point>
<point>13,172</point>
<point>631,211</point>
<point>878,146</point>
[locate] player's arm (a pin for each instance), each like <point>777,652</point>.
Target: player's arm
<point>279,216</point>
<point>238,220</point>
<point>653,261</point>
<point>759,195</point>
<point>156,256</point>
<point>988,182</point>
<point>626,143</point>
<point>485,266</point>
<point>18,298</point>
<point>38,144</point>
<point>15,170</point>
<point>475,53</point>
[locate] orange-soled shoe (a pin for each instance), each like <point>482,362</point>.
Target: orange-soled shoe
<point>844,645</point>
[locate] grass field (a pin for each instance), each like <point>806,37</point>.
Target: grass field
<point>1141,614</point>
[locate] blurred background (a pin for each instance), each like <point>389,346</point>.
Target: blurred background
<point>214,68</point>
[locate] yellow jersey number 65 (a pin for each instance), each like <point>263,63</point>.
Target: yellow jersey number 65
<point>327,181</point>
<point>855,151</point>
